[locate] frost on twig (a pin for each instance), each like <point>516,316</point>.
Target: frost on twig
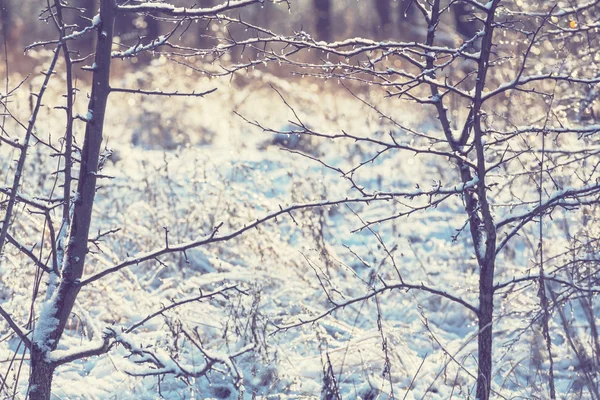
<point>59,357</point>
<point>151,361</point>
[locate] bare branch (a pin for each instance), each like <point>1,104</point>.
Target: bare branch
<point>161,93</point>
<point>221,291</point>
<point>376,292</point>
<point>15,328</point>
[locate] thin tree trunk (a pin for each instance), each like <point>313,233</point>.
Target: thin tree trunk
<point>86,188</point>
<point>5,18</point>
<point>323,24</point>
<point>487,243</point>
<point>385,17</point>
<point>409,21</point>
<point>484,345</point>
<point>64,294</point>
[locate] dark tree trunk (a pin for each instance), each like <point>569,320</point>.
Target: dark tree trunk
<point>4,13</point>
<point>68,287</point>
<point>465,26</point>
<point>385,17</point>
<point>487,263</point>
<point>484,344</point>
<point>409,19</point>
<point>323,24</point>
<point>5,20</point>
<point>90,153</point>
<point>40,381</point>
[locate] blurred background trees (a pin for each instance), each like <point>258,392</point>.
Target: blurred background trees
<point>322,19</point>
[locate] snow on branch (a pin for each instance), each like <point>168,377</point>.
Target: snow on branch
<point>558,199</point>
<point>73,36</point>
<point>46,324</point>
<point>20,197</point>
<point>535,278</point>
<point>154,362</point>
<point>77,34</point>
<point>516,83</point>
<point>563,12</point>
<point>582,130</point>
<point>59,357</point>
<point>170,9</point>
<point>139,48</point>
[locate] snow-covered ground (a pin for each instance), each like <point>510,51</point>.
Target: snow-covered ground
<point>189,165</point>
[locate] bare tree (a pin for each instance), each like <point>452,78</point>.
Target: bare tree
<point>486,147</point>
<point>63,272</point>
<point>502,116</point>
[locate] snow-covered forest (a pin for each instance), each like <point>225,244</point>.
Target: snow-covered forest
<point>310,199</point>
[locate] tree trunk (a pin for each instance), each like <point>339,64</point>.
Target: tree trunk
<point>487,263</point>
<point>5,19</point>
<point>64,295</point>
<point>385,17</point>
<point>323,24</point>
<point>484,344</point>
<point>40,381</point>
<point>90,153</point>
<point>409,21</point>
